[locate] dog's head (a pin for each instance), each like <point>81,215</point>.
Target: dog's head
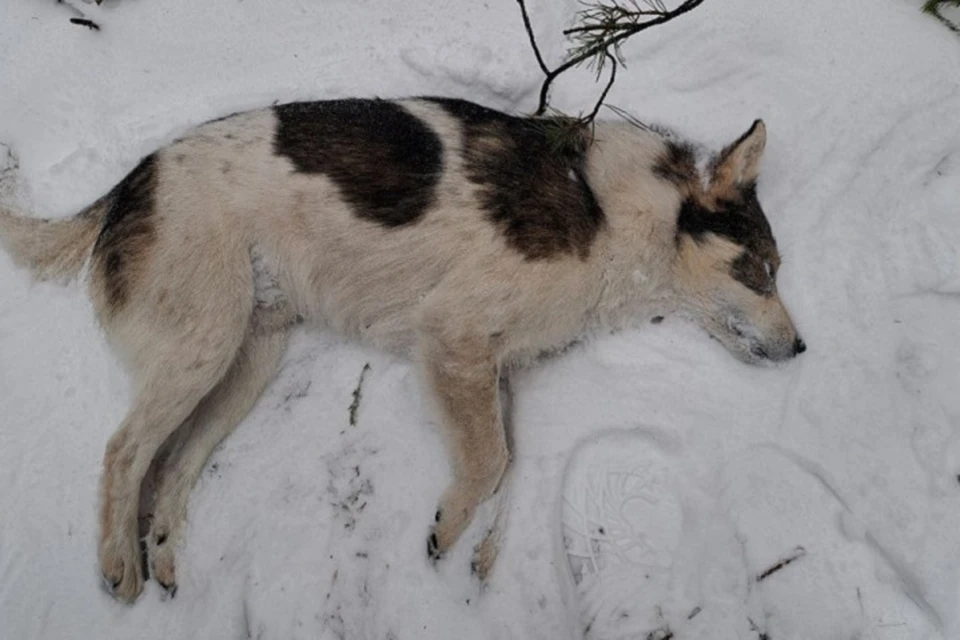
<point>727,258</point>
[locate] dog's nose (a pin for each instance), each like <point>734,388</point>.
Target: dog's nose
<point>799,347</point>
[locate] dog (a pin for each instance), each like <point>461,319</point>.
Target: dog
<point>458,235</point>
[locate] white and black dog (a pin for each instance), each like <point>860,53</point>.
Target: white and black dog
<point>437,228</point>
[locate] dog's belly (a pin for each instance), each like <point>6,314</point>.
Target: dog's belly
<point>372,299</point>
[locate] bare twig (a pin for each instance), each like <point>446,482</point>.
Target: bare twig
<point>80,18</point>
<point>533,40</point>
<point>83,22</point>
<point>355,405</point>
<point>797,553</point>
<point>606,90</point>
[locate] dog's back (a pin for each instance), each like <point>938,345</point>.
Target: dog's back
<point>357,210</point>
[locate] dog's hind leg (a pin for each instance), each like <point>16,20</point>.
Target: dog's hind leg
<point>177,353</point>
<point>463,373</point>
<point>486,551</point>
<point>216,416</point>
<point>163,401</point>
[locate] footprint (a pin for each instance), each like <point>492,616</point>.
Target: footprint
<point>621,519</point>
<point>658,544</point>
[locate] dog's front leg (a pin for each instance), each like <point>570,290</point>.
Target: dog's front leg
<point>463,373</point>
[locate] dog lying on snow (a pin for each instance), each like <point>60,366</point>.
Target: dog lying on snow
<point>434,227</point>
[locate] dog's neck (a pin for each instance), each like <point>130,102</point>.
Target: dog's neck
<point>637,251</point>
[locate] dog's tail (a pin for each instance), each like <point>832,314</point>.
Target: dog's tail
<point>52,249</point>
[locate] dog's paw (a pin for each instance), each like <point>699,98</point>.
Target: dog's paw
<point>120,566</point>
<point>433,543</point>
<point>161,558</point>
<point>434,554</point>
<point>485,555</point>
<point>448,526</point>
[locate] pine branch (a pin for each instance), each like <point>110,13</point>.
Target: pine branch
<point>604,26</point>
<point>933,8</point>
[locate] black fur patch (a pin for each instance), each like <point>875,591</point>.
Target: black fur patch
<point>535,194</point>
<point>678,165</point>
<point>743,222</point>
<point>128,229</point>
<point>385,161</point>
<point>750,270</point>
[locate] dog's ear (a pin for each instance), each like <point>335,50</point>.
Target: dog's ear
<point>739,163</point>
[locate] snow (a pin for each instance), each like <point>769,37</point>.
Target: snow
<point>852,451</point>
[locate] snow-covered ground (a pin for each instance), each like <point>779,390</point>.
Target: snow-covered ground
<point>304,526</point>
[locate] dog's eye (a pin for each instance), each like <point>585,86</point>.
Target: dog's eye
<point>769,269</point>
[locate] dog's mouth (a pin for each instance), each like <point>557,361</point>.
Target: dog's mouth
<point>747,341</point>
<point>742,341</point>
<point>759,352</point>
